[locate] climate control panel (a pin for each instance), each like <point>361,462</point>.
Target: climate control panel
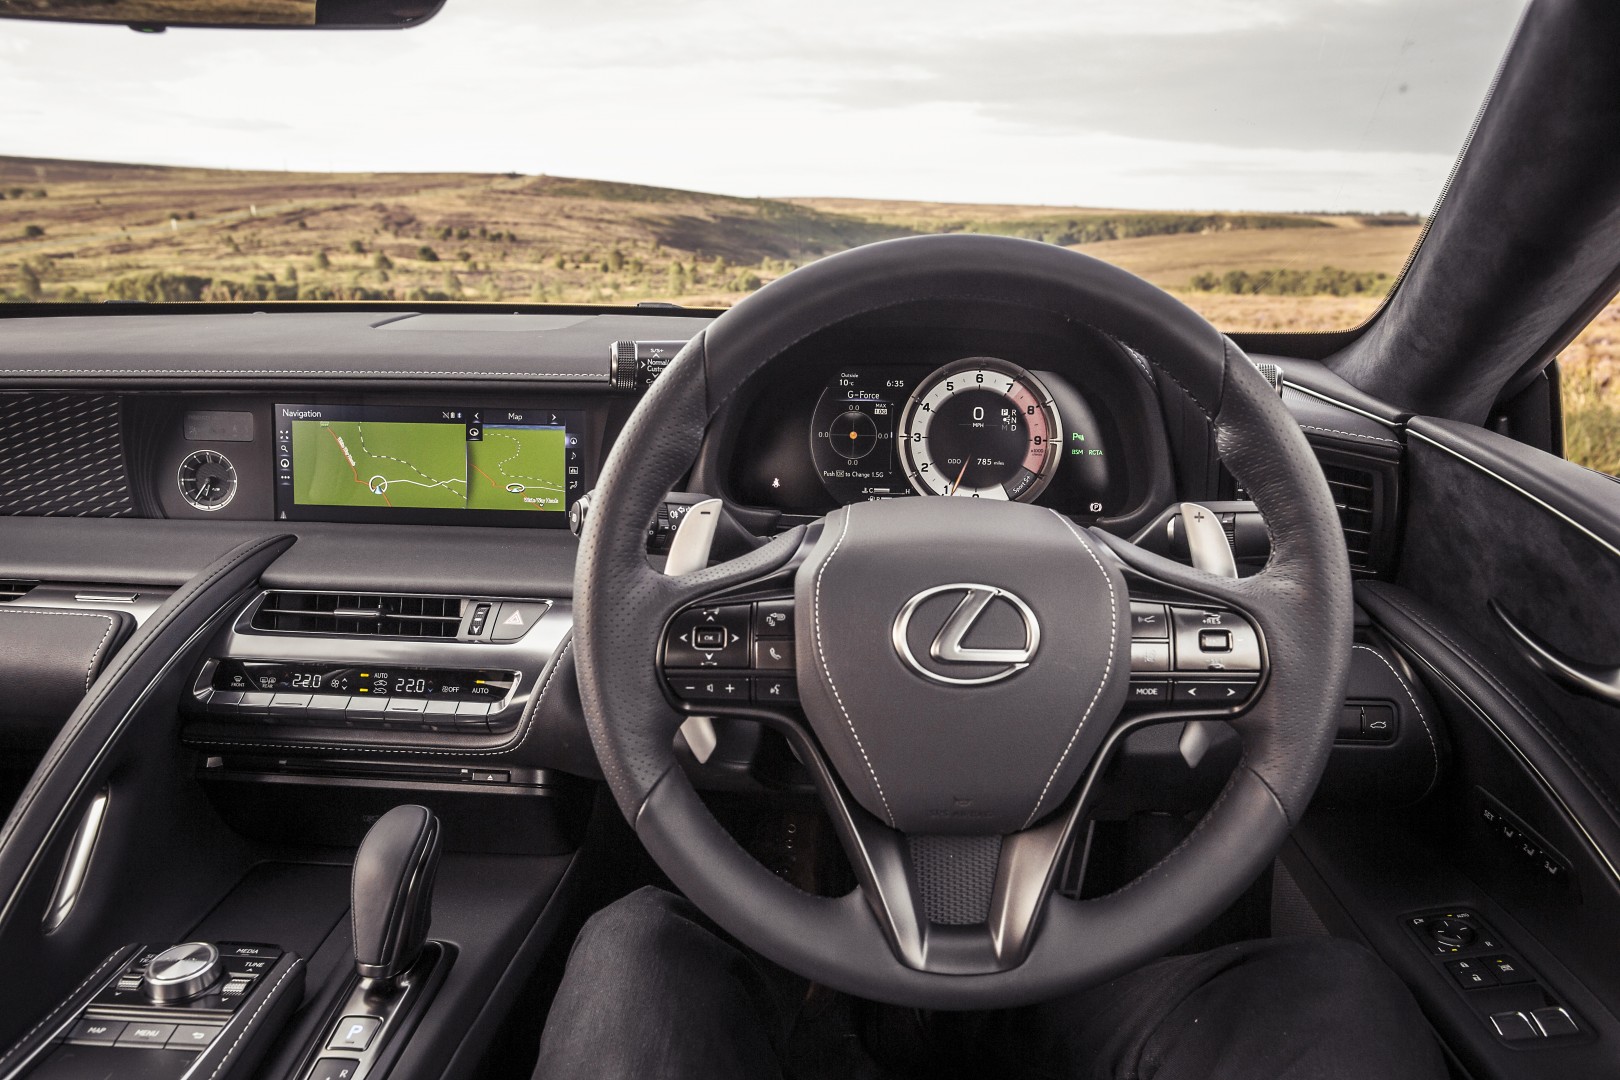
<point>366,695</point>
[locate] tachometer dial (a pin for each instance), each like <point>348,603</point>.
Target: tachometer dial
<point>980,428</point>
<point>207,480</point>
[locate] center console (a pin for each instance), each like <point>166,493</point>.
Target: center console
<point>163,1012</point>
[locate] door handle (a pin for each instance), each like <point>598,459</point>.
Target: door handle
<point>1589,680</point>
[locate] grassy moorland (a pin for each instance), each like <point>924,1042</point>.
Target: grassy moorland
<point>95,231</point>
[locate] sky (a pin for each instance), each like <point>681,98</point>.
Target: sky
<point>1165,104</point>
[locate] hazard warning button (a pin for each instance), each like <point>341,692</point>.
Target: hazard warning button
<point>514,619</point>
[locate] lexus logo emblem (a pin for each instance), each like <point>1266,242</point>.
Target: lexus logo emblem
<point>964,665</point>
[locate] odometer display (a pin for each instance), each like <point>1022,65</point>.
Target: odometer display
<point>980,428</point>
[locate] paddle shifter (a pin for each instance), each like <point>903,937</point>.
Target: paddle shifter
<point>392,894</point>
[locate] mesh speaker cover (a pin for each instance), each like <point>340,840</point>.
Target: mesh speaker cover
<point>956,876</point>
<point>62,455</point>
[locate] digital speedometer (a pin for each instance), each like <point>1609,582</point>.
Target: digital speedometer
<point>980,428</point>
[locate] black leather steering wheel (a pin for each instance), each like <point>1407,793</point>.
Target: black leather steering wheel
<point>955,799</point>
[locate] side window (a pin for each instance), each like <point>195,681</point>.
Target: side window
<point>1589,371</point>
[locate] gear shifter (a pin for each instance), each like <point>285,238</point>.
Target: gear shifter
<point>392,893</point>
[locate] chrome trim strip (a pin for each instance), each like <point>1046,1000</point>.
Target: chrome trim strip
<point>1345,405</point>
<point>76,866</point>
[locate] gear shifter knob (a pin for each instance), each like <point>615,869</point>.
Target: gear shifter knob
<point>392,893</point>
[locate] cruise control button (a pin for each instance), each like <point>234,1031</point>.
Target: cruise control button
<point>774,656</point>
<point>1212,639</point>
<point>708,637</point>
<point>88,1032</point>
<point>1150,656</point>
<point>1149,621</point>
<point>1211,691</point>
<point>773,618</point>
<point>776,691</point>
<point>513,620</point>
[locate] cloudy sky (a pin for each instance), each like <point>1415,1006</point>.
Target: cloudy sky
<point>1218,104</point>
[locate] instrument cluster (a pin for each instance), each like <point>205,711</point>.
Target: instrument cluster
<point>974,426</point>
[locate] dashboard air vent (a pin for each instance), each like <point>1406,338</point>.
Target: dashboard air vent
<point>359,614</point>
<point>13,589</point>
<point>1355,494</point>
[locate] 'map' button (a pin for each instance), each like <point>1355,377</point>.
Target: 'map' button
<point>96,1032</point>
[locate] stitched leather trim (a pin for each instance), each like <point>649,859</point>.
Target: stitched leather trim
<point>1102,683</point>
<point>95,654</point>
<point>821,654</point>
<point>50,1017</point>
<point>1434,746</point>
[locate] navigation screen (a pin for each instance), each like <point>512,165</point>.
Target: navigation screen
<point>427,464</point>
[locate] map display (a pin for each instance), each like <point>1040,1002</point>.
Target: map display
<point>518,468</point>
<point>420,463</point>
<point>356,463</point>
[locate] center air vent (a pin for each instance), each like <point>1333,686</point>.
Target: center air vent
<point>12,589</point>
<point>360,614</point>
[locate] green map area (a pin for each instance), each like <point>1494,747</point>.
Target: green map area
<point>518,468</point>
<point>361,463</point>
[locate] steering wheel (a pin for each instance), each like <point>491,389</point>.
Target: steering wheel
<point>962,665</point>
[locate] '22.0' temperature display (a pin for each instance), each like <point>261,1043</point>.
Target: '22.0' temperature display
<point>427,464</point>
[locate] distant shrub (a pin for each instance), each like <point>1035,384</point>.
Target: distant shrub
<point>427,254</point>
<point>357,247</point>
<point>33,232</point>
<point>1326,281</point>
<point>289,273</point>
<point>158,287</point>
<point>745,281</point>
<point>382,262</point>
<point>29,282</point>
<point>322,262</point>
<point>464,256</point>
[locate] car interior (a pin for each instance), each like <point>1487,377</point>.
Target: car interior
<point>1222,637</point>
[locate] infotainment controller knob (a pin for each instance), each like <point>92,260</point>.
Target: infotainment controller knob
<point>182,972</point>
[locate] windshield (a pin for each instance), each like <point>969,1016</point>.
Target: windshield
<point>1270,161</point>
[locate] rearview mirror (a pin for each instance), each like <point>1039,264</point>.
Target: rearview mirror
<point>157,15</point>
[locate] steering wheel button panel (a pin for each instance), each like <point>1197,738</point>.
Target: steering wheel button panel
<point>1150,656</point>
<point>1214,640</point>
<point>705,688</point>
<point>709,637</point>
<point>1149,622</point>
